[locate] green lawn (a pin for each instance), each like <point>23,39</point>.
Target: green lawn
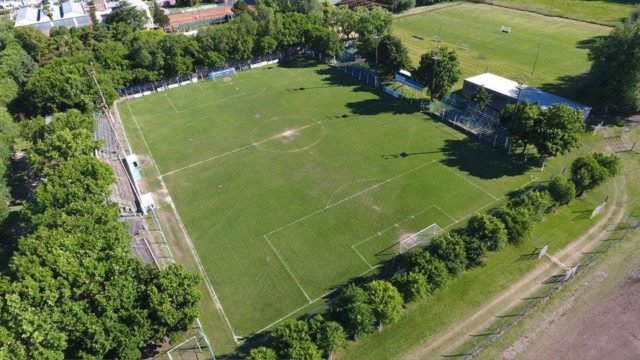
<point>460,299</point>
<point>291,181</point>
<point>609,12</point>
<point>563,46</point>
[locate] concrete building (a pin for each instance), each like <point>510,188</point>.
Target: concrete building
<point>69,14</point>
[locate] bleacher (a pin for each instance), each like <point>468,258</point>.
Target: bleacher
<point>466,114</point>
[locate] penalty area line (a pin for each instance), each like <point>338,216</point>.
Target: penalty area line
<point>171,103</point>
<point>287,268</point>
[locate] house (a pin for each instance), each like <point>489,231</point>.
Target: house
<point>69,14</point>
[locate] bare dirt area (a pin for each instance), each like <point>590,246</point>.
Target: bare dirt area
<point>608,329</point>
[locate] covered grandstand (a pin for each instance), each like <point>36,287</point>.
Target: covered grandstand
<point>505,91</point>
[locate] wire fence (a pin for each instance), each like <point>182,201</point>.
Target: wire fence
<point>557,283</point>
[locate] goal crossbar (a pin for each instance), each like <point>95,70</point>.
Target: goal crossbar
<point>422,237</point>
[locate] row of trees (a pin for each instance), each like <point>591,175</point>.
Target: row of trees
<point>8,132</point>
<point>552,131</point>
<point>54,71</point>
<point>72,288</point>
<point>359,310</point>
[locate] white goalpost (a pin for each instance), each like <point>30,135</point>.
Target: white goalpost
<point>422,237</point>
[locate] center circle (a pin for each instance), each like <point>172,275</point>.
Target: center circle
<point>291,133</point>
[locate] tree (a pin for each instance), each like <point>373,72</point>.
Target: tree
<point>240,7</point>
<point>289,334</point>
<point>482,97</point>
<point>8,90</point>
<point>16,63</point>
<point>474,250</point>
<point>127,14</point>
<point>587,173</point>
<point>412,285</point>
<point>327,335</point>
<point>354,311</point>
<point>534,202</point>
<point>159,17</point>
<point>262,353</point>
<point>385,300</point>
<point>489,230</point>
<point>391,55</point>
<point>449,248</point>
<point>306,350</point>
<point>517,222</point>
<point>614,78</point>
<point>611,162</point>
<point>433,269</point>
<point>64,83</point>
<point>346,19</point>
<point>562,190</point>
<point>447,71</point>
<point>375,21</point>
<point>520,120</point>
<point>557,130</point>
<point>33,41</point>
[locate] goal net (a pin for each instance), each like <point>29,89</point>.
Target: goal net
<point>422,237</point>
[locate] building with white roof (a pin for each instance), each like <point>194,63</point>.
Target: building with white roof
<point>69,14</point>
<point>505,91</point>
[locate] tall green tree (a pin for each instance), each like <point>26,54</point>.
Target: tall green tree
<point>517,222</point>
<point>329,336</point>
<point>557,130</point>
<point>387,53</point>
<point>412,285</point>
<point>587,173</point>
<point>449,248</point>
<point>613,82</point>
<point>562,190</point>
<point>432,268</point>
<point>488,229</point>
<point>447,71</point>
<point>520,120</point>
<point>128,14</point>
<point>385,300</point>
<point>354,311</point>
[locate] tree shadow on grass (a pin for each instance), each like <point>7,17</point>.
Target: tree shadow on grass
<point>480,160</point>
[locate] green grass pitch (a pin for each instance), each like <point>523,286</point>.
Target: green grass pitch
<point>291,181</point>
<point>563,51</point>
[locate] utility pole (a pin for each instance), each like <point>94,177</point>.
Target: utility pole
<point>535,62</point>
<point>377,37</point>
<point>435,56</point>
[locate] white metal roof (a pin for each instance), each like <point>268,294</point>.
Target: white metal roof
<point>496,83</point>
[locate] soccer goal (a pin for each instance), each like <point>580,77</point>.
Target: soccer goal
<point>214,75</point>
<point>505,29</point>
<point>422,237</point>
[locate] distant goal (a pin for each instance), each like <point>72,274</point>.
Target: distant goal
<point>422,237</point>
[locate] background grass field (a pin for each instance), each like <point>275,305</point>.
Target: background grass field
<point>609,12</point>
<point>278,221</point>
<point>563,52</point>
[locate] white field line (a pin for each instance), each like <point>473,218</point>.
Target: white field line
<point>312,301</point>
<point>287,268</point>
<point>362,257</point>
<point>237,150</point>
<point>171,103</point>
<point>349,197</point>
<point>446,214</point>
<point>347,184</point>
<point>471,182</point>
<point>207,281</point>
<point>224,99</point>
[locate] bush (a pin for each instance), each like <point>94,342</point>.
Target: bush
<point>450,249</point>
<point>354,312</point>
<point>431,268</point>
<point>412,285</point>
<point>262,353</point>
<point>385,301</point>
<point>587,173</point>
<point>489,230</point>
<point>535,202</point>
<point>517,222</point>
<point>611,162</point>
<point>562,190</point>
<point>474,250</point>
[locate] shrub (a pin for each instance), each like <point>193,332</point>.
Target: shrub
<point>587,173</point>
<point>474,250</point>
<point>412,285</point>
<point>535,202</point>
<point>517,223</point>
<point>562,190</point>
<point>450,249</point>
<point>432,268</point>
<point>489,230</point>
<point>354,312</point>
<point>611,162</point>
<point>262,353</point>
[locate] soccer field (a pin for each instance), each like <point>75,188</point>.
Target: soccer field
<point>563,45</point>
<point>292,180</point>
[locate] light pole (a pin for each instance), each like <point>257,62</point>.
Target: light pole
<point>535,62</point>
<point>435,56</point>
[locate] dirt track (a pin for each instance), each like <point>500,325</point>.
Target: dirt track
<point>509,299</point>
